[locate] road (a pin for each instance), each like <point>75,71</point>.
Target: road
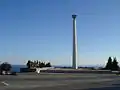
<point>49,81</point>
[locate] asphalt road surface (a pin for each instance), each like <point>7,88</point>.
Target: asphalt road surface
<point>47,81</point>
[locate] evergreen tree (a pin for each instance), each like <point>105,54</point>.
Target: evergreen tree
<point>115,64</point>
<point>42,64</point>
<point>39,64</point>
<point>48,64</point>
<point>5,67</point>
<point>29,64</point>
<point>109,64</point>
<point>34,63</point>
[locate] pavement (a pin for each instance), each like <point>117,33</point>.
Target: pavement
<point>60,81</point>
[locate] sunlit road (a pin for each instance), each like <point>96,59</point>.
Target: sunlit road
<point>46,81</point>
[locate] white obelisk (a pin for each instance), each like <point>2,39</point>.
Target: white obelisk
<point>74,61</point>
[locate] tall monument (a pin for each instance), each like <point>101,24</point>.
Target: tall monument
<point>74,57</point>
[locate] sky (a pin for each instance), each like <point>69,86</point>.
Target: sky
<point>42,30</point>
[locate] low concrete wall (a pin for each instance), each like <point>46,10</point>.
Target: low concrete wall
<point>80,71</point>
<point>38,70</point>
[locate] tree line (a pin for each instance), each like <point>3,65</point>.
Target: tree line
<point>112,64</point>
<point>37,64</point>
